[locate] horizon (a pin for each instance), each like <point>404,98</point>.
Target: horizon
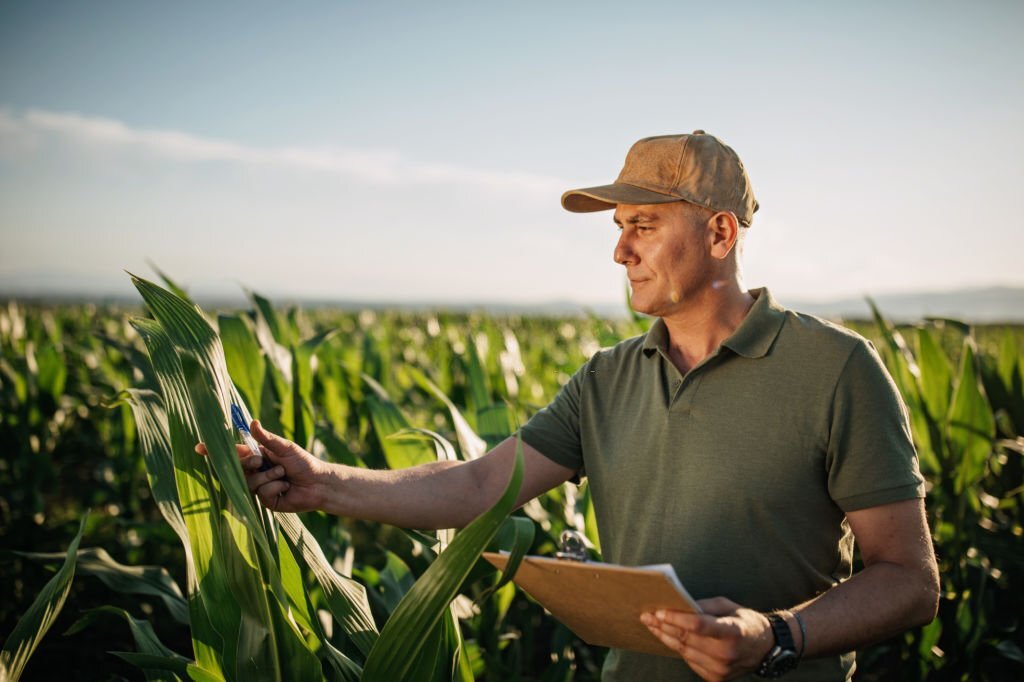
<point>417,154</point>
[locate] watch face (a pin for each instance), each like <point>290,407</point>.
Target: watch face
<point>783,662</point>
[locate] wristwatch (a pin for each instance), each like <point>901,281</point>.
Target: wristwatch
<point>782,657</point>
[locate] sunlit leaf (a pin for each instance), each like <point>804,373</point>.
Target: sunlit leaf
<point>37,620</point>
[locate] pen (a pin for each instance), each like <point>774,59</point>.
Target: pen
<point>243,430</point>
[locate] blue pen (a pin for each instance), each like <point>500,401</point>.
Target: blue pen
<point>243,430</point>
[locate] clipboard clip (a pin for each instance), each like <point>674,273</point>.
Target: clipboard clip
<point>573,547</point>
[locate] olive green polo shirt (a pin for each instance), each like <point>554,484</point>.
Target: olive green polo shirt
<point>739,473</point>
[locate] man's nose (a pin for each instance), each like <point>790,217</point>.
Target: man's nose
<point>623,253</point>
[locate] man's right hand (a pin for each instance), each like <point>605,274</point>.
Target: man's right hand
<point>295,481</point>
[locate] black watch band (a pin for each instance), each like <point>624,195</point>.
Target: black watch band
<point>782,657</point>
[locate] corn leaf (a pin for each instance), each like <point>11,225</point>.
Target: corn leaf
<point>419,612</point>
<point>387,420</point>
<point>244,358</point>
<point>152,580</point>
<point>470,444</point>
<point>346,599</point>
<point>936,376</point>
<point>971,424</point>
<point>214,613</point>
<point>40,616</point>
<point>158,662</point>
<point>267,641</point>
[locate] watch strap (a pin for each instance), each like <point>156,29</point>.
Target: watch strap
<point>782,657</point>
<point>780,628</point>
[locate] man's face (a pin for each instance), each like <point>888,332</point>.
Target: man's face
<point>663,248</point>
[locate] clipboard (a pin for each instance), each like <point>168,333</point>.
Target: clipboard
<point>602,602</point>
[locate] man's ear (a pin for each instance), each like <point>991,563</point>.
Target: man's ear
<point>723,230</point>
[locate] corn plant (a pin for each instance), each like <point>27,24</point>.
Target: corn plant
<point>967,421</point>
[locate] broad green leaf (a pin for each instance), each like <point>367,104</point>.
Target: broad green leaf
<point>40,616</point>
<point>268,642</point>
<point>495,423</point>
<point>52,372</point>
<point>244,358</point>
<point>470,444</point>
<point>936,376</point>
<point>515,536</point>
<point>148,644</point>
<point>388,419</point>
<point>175,288</point>
<point>971,424</point>
<point>151,421</point>
<point>156,667</point>
<point>151,580</point>
<point>421,609</point>
<point>901,361</point>
<point>279,327</point>
<point>215,614</point>
<point>346,599</point>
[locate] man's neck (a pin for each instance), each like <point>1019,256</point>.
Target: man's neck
<point>699,329</point>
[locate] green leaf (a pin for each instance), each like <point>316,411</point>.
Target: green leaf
<point>175,288</point>
<point>244,358</point>
<point>266,641</point>
<point>470,444</point>
<point>40,616</point>
<point>151,422</point>
<point>279,327</point>
<point>158,661</point>
<point>421,609</point>
<point>516,537</point>
<point>936,376</point>
<point>151,580</point>
<point>215,614</point>
<point>346,599</point>
<point>971,424</point>
<point>387,420</point>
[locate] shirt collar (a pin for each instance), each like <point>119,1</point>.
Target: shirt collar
<point>752,339</point>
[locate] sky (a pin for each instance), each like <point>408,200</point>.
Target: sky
<point>415,152</point>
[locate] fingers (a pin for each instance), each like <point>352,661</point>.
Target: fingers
<point>718,606</point>
<point>699,651</point>
<point>271,494</point>
<point>256,479</point>
<point>244,453</point>
<point>272,442</point>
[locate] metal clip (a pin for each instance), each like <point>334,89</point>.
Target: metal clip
<point>573,546</point>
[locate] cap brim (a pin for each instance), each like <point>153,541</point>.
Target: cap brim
<point>605,197</point>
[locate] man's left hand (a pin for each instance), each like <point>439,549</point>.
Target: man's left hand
<point>724,642</point>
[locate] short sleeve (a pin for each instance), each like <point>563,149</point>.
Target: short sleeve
<point>871,458</point>
<point>554,431</point>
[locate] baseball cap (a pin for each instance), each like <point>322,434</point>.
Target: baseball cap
<point>698,168</point>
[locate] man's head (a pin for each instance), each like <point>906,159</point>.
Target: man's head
<point>682,203</point>
<point>698,168</point>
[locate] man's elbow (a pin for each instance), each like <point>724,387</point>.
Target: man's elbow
<point>926,606</point>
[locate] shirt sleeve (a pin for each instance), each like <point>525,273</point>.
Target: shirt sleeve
<point>871,458</point>
<point>554,431</point>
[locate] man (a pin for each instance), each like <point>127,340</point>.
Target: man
<point>745,444</point>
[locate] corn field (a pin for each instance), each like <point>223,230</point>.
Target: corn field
<point>125,555</point>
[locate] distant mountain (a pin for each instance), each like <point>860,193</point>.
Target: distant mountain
<point>984,304</point>
<point>989,304</point>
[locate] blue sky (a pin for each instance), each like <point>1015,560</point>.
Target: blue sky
<point>415,151</point>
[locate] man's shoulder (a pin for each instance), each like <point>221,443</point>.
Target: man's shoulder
<point>623,351</point>
<point>823,333</point>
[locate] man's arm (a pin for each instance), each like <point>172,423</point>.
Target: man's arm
<point>435,495</point>
<point>898,589</point>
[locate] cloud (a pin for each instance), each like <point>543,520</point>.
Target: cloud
<point>19,131</point>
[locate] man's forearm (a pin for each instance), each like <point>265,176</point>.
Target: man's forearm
<point>882,600</point>
<point>434,495</point>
